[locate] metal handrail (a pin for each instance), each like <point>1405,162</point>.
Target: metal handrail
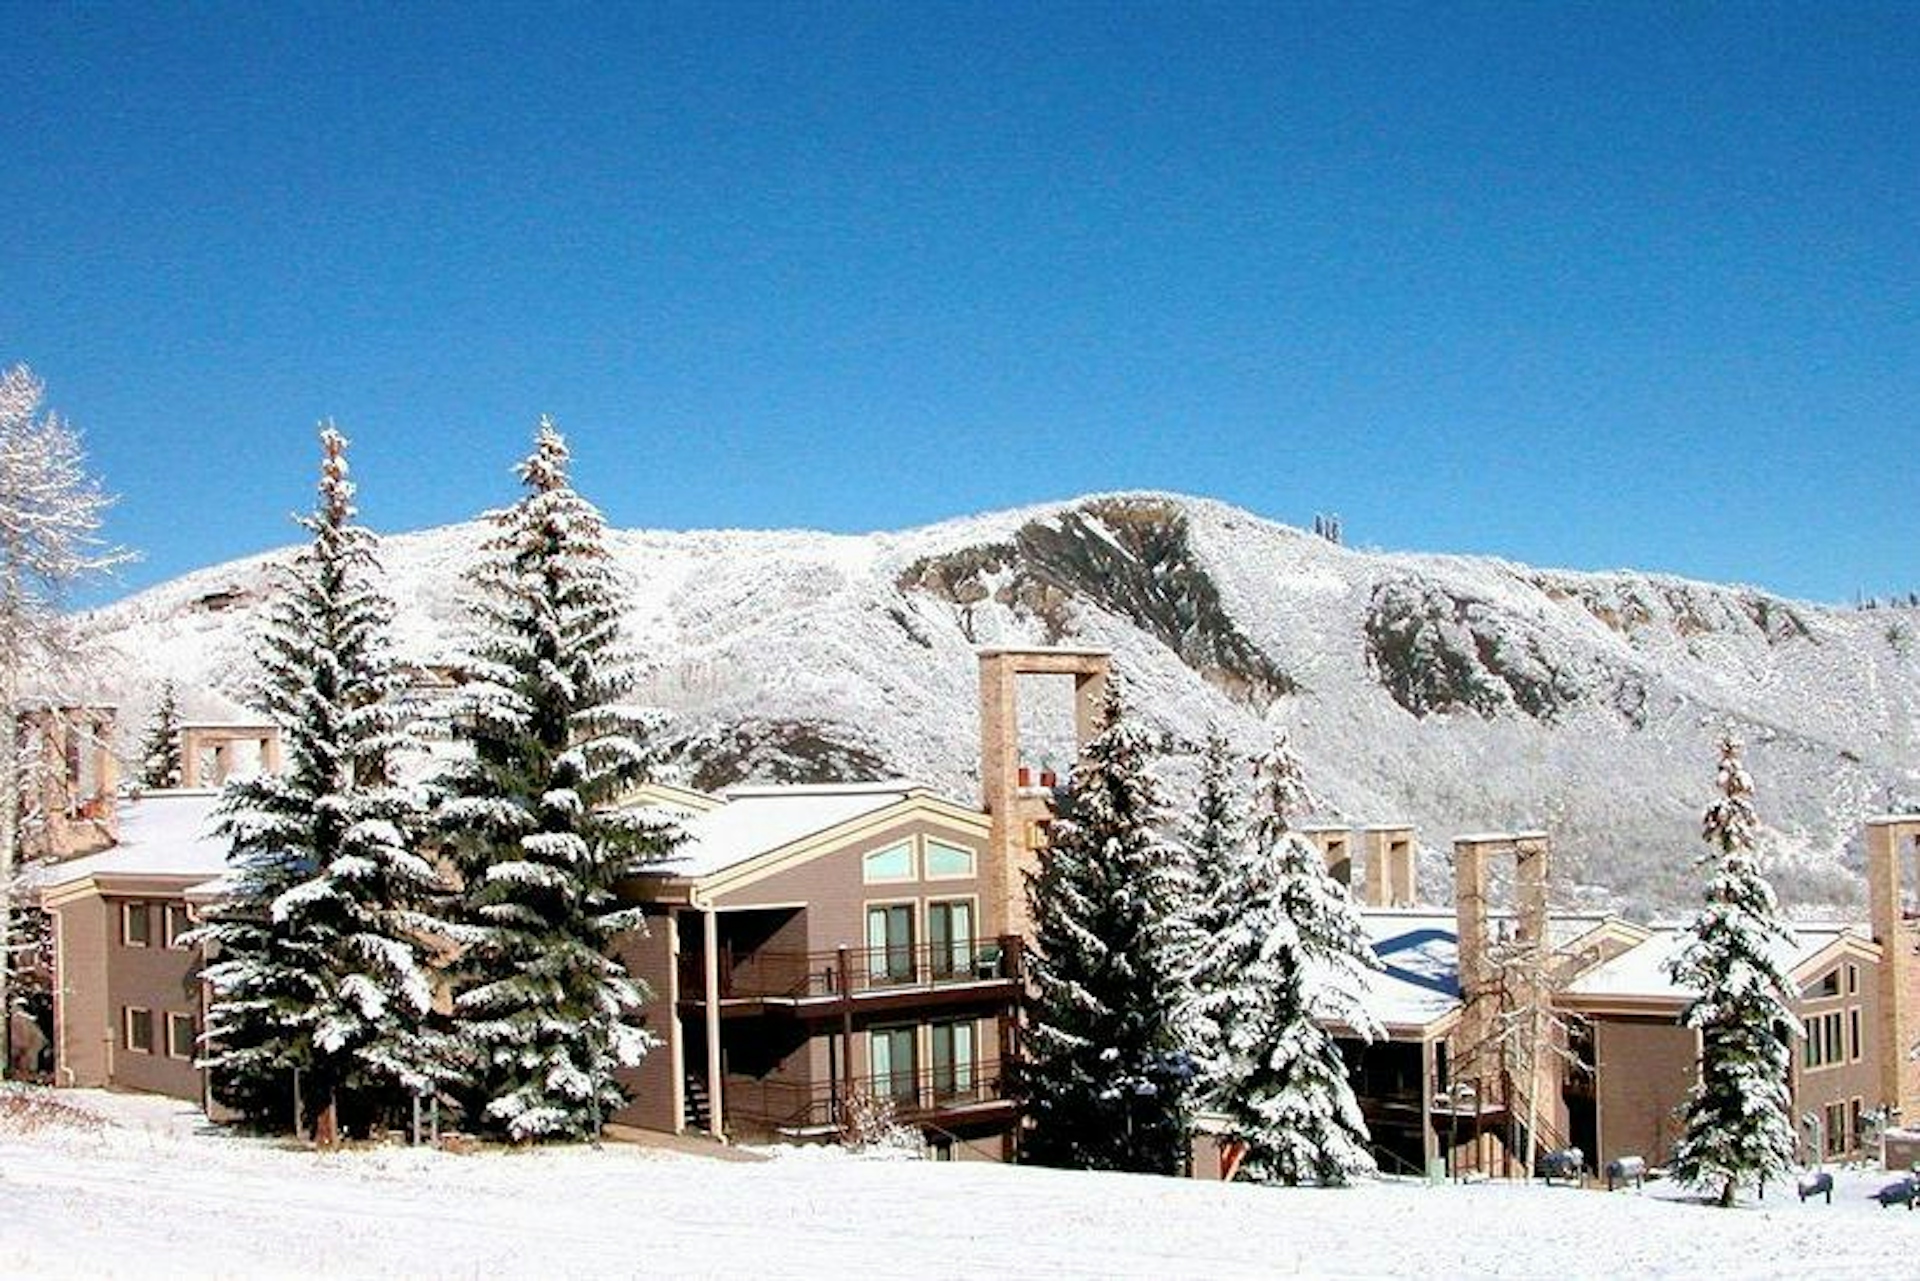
<point>795,1106</point>
<point>793,975</point>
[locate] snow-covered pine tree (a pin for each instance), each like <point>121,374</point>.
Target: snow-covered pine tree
<point>1105,1078</point>
<point>1739,1124</point>
<point>1211,841</point>
<point>544,1012</point>
<point>1288,956</point>
<point>320,952</point>
<point>160,749</point>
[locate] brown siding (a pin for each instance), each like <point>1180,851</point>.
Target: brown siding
<point>82,1024</point>
<point>159,979</point>
<point>1644,1068</point>
<point>649,958</point>
<point>1856,1078</point>
<point>834,890</point>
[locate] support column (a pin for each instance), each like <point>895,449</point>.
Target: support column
<point>1891,841</point>
<point>716,1086</point>
<point>1429,1143</point>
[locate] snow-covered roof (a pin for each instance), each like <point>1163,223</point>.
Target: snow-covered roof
<point>1640,972</point>
<point>1419,951</point>
<point>1419,978</point>
<point>758,820</point>
<point>161,834</point>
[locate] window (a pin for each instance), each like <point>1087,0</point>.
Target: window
<point>136,924</point>
<point>1823,1047</point>
<point>895,863</point>
<point>894,1070</point>
<point>180,1036</point>
<point>1853,1033</point>
<point>948,861</point>
<point>1836,1124</point>
<point>139,1029</point>
<point>1828,986</point>
<point>950,939</point>
<point>953,1060</point>
<point>177,922</point>
<point>1853,1123</point>
<point>890,943</point>
<point>1853,979</point>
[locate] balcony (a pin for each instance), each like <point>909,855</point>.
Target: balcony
<point>946,1094</point>
<point>768,977</point>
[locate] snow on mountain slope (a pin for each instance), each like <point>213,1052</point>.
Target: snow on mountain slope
<point>1458,693</point>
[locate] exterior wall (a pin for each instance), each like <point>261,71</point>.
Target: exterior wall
<point>160,980</point>
<point>656,1083</point>
<point>1852,1084</point>
<point>837,895</point>
<point>1891,884</point>
<point>1642,1071</point>
<point>83,1030</point>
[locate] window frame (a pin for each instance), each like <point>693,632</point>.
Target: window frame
<point>175,1020</point>
<point>934,843</point>
<point>961,953</point>
<point>882,968</point>
<point>130,910</point>
<point>128,1016</point>
<point>867,876</point>
<point>170,913</point>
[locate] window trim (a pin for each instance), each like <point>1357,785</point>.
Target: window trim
<point>926,863</point>
<point>169,913</point>
<point>127,912</point>
<point>972,943</point>
<point>174,1020</point>
<point>915,934</point>
<point>127,1013</point>
<point>913,864</point>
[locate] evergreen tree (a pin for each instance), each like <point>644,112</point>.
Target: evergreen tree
<point>1739,1121</point>
<point>1287,956</point>
<point>319,952</point>
<point>1106,1080</point>
<point>1210,846</point>
<point>544,1012</point>
<point>160,764</point>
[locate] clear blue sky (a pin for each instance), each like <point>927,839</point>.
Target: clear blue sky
<point>1594,286</point>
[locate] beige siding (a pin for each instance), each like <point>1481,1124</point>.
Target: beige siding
<point>1644,1068</point>
<point>655,1093</point>
<point>83,1030</point>
<point>158,979</point>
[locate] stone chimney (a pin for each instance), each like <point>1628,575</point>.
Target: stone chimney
<point>220,741</point>
<point>1335,845</point>
<point>1891,844</point>
<point>1019,801</point>
<point>1389,850</point>
<point>78,779</point>
<point>1507,1056</point>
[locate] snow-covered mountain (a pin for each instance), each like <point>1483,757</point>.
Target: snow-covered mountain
<point>1459,693</point>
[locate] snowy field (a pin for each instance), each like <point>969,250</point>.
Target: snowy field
<point>152,1191</point>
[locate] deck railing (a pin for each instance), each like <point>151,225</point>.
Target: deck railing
<point>770,973</point>
<point>781,1105</point>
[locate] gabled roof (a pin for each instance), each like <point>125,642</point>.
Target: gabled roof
<point>1416,993</point>
<point>1637,978</point>
<point>166,839</point>
<point>756,822</point>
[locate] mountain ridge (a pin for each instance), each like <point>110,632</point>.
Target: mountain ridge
<point>1458,692</point>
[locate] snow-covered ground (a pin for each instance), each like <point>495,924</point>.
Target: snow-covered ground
<point>155,1192</point>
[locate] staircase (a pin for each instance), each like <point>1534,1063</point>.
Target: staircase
<point>697,1108</point>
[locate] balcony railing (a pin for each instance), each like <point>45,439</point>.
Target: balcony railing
<point>914,1096</point>
<point>771,974</point>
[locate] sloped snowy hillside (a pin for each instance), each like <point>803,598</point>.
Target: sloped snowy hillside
<point>1458,693</point>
